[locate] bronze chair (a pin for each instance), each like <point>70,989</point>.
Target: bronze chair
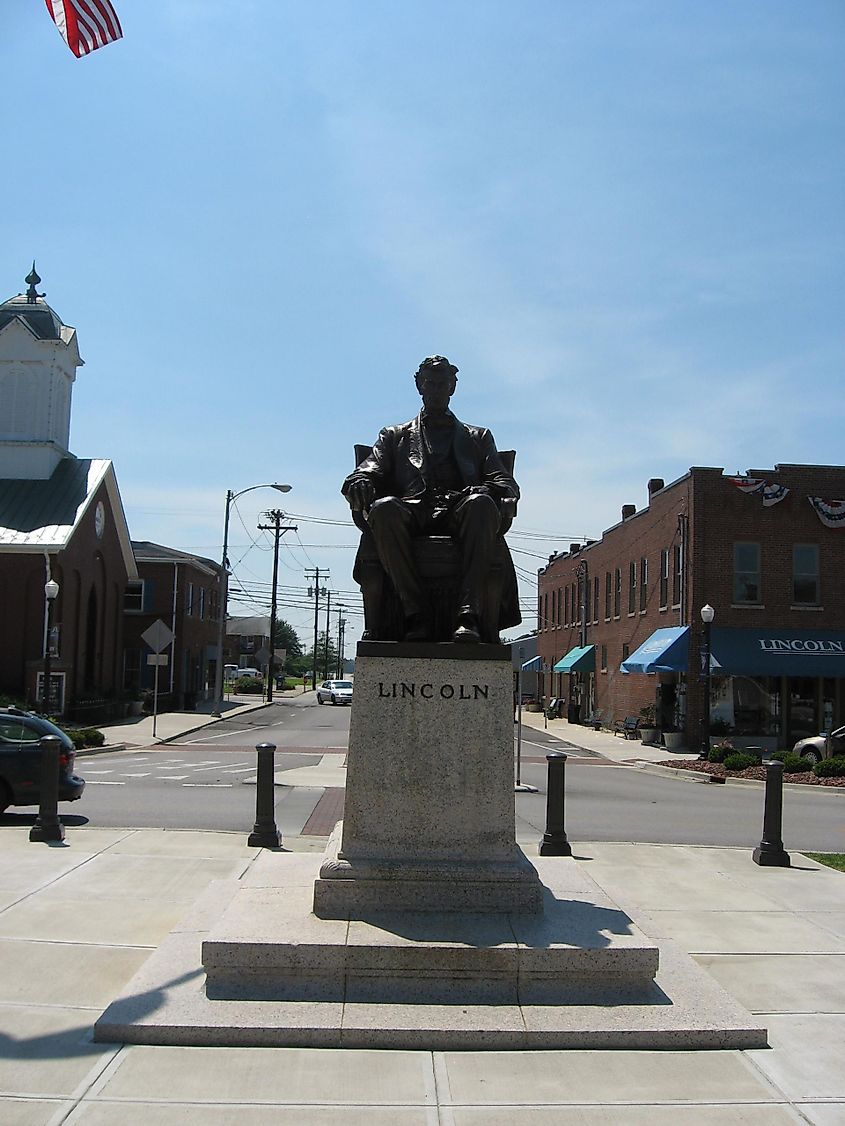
<point>438,563</point>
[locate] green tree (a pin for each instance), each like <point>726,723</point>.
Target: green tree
<point>287,638</point>
<point>308,661</point>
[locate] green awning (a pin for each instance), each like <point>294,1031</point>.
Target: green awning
<point>580,659</point>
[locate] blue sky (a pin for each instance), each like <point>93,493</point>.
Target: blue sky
<point>623,221</point>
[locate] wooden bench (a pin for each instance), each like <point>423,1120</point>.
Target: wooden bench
<point>595,720</point>
<point>628,728</point>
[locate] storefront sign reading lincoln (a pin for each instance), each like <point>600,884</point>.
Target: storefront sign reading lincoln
<point>403,690</point>
<point>800,645</point>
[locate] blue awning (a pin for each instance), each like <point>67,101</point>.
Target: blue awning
<point>665,651</point>
<point>579,659</point>
<point>778,652</point>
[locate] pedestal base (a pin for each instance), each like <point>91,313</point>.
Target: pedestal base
<point>355,889</point>
<point>579,976</point>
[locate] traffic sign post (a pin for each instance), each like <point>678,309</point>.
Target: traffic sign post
<point>158,636</point>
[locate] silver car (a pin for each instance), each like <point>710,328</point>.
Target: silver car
<point>818,747</point>
<point>338,691</point>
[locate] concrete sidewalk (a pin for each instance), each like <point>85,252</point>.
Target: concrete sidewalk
<point>77,921</point>
<point>605,743</point>
<point>137,731</point>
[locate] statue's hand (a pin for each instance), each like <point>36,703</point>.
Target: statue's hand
<point>477,491</point>
<point>361,495</point>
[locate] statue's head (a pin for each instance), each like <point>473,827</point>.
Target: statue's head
<point>436,380</point>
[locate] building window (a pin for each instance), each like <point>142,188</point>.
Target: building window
<point>202,603</point>
<point>664,578</point>
<point>626,649</point>
<point>189,600</point>
<point>805,574</point>
<point>608,595</point>
<point>545,611</point>
<point>133,597</point>
<point>632,587</point>
<point>617,592</point>
<point>677,562</point>
<point>604,658</point>
<point>643,584</point>
<point>566,606</point>
<point>747,572</point>
<point>131,670</point>
<point>596,599</point>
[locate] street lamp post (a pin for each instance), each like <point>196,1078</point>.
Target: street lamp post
<point>51,593</point>
<point>707,616</point>
<point>224,589</point>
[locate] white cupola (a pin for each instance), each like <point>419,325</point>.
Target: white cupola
<point>38,360</point>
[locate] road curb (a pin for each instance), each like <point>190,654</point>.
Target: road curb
<point>701,778</point>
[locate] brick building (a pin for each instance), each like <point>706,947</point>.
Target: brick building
<point>766,551</point>
<point>183,591</point>
<point>247,643</point>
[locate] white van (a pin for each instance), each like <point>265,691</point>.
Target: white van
<point>249,672</point>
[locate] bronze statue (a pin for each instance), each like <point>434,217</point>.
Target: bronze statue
<point>436,476</point>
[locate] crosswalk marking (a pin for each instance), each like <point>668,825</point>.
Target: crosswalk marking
<point>240,770</point>
<point>174,777</point>
<point>100,782</point>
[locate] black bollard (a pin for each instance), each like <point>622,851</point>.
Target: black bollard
<point>264,832</point>
<point>554,842</point>
<point>770,852</point>
<point>47,825</point>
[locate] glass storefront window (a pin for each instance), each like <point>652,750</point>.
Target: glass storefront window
<point>745,705</point>
<point>803,709</point>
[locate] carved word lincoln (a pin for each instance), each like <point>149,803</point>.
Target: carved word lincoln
<point>402,690</point>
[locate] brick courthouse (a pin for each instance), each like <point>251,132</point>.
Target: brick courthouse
<point>766,551</point>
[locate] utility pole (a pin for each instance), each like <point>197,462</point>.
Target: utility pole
<point>277,516</point>
<point>341,622</point>
<point>316,592</point>
<point>328,633</point>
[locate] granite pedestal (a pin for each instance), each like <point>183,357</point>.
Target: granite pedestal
<point>429,811</point>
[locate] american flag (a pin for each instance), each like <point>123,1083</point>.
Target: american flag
<point>85,25</point>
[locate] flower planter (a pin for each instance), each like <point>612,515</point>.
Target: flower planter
<point>674,740</point>
<point>649,734</point>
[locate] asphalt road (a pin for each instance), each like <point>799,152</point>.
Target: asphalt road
<point>203,782</point>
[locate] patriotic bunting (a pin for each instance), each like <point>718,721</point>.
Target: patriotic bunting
<point>830,512</point>
<point>748,484</point>
<point>85,25</point>
<point>770,492</point>
<point>773,494</point>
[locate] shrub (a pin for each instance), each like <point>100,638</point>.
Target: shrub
<point>830,768</point>
<point>720,752</point>
<point>794,764</point>
<point>77,736</point>
<point>93,737</point>
<point>741,760</point>
<point>249,685</point>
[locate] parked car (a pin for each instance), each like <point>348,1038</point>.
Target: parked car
<point>338,691</point>
<point>20,759</point>
<point>256,673</point>
<point>817,747</point>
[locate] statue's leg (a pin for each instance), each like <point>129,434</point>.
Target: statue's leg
<point>474,522</point>
<point>392,526</point>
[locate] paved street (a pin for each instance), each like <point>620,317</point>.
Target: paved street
<point>205,780</point>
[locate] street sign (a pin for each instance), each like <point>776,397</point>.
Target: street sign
<point>158,636</point>
<point>262,656</point>
<point>157,658</point>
